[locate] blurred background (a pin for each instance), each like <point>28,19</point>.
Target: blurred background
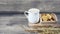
<point>12,13</point>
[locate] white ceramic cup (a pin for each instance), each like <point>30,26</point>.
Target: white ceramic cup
<point>33,15</point>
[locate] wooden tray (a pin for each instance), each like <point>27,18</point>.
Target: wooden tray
<point>49,22</point>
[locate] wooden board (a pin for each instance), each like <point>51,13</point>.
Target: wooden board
<point>45,25</point>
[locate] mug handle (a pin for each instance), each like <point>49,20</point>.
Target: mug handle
<point>25,13</point>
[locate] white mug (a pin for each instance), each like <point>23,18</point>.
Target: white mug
<point>33,15</point>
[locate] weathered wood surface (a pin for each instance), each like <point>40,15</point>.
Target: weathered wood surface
<point>10,21</point>
<point>22,5</point>
<point>11,24</point>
